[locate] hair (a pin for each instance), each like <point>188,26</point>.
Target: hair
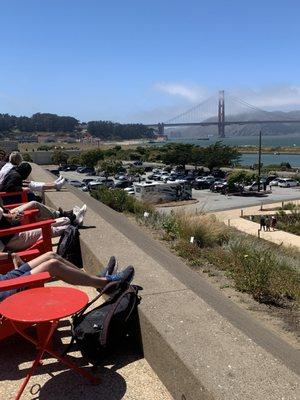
<point>2,154</point>
<point>24,169</point>
<point>15,158</point>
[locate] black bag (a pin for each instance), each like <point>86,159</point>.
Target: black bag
<point>69,246</point>
<point>100,330</point>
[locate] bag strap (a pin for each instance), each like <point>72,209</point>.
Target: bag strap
<point>106,288</point>
<point>103,336</point>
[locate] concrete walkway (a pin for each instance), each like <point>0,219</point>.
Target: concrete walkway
<point>233,217</point>
<point>124,376</point>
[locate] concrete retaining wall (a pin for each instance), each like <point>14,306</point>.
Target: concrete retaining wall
<point>43,157</point>
<point>200,344</point>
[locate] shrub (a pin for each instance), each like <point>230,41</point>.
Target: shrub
<point>205,229</point>
<point>119,200</point>
<point>27,157</point>
<point>267,274</point>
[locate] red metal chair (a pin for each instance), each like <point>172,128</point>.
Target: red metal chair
<point>29,281</point>
<point>40,247</point>
<point>23,194</point>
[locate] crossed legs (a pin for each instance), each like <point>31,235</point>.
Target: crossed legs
<point>64,270</point>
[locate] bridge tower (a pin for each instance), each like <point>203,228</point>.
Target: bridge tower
<point>161,128</point>
<point>221,115</point>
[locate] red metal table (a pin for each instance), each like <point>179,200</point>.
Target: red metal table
<point>44,305</point>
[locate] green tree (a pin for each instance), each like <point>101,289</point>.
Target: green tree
<point>110,167</point>
<point>60,157</point>
<point>27,157</point>
<point>177,154</point>
<point>74,160</point>
<point>220,155</point>
<point>241,177</point>
<point>91,157</point>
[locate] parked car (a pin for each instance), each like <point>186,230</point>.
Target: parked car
<point>268,179</point>
<point>137,162</point>
<point>204,182</point>
<point>54,171</point>
<point>218,185</point>
<point>85,170</point>
<point>94,185</point>
<point>274,182</point>
<point>218,173</point>
<point>120,177</point>
<point>86,181</point>
<point>129,190</point>
<point>108,182</point>
<point>287,182</point>
<point>76,183</point>
<point>122,184</point>
<point>71,167</point>
<point>253,187</point>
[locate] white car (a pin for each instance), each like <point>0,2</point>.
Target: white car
<point>130,190</point>
<point>274,182</point>
<point>287,182</point>
<point>252,188</point>
<point>75,183</point>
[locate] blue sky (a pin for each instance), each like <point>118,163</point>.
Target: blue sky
<point>130,60</point>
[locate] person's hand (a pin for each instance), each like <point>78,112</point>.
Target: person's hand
<point>14,218</point>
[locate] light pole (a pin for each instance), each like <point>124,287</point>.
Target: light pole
<point>259,160</point>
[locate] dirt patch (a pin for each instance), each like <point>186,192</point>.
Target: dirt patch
<point>177,203</point>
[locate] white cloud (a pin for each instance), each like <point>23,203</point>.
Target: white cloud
<point>192,93</point>
<point>279,97</point>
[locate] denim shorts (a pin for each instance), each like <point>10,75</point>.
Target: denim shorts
<point>23,270</point>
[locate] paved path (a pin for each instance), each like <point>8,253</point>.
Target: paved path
<point>233,217</point>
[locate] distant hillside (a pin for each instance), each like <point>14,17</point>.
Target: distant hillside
<point>247,130</point>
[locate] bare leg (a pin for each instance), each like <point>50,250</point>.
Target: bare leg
<point>50,255</point>
<point>68,274</point>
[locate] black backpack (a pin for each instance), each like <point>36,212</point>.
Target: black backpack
<point>69,246</point>
<point>99,331</point>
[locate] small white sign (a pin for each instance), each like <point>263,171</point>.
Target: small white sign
<point>146,214</point>
<point>192,239</point>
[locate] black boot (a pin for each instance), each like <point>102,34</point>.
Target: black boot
<point>68,214</point>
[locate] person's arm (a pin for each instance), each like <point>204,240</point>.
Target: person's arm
<point>5,256</point>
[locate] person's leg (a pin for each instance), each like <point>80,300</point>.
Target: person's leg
<point>43,186</point>
<point>59,226</point>
<point>23,240</point>
<point>15,273</point>
<point>50,255</point>
<point>45,212</point>
<point>68,274</point>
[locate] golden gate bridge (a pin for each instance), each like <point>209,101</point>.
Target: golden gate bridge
<point>208,114</point>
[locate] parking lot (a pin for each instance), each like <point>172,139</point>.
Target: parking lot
<point>209,201</point>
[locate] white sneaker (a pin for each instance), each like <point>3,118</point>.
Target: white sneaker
<point>80,213</point>
<point>60,184</point>
<point>58,179</point>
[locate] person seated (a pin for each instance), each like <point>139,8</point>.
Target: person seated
<point>15,159</point>
<point>24,240</point>
<point>59,268</point>
<point>13,178</point>
<point>3,158</point>
<point>45,212</point>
